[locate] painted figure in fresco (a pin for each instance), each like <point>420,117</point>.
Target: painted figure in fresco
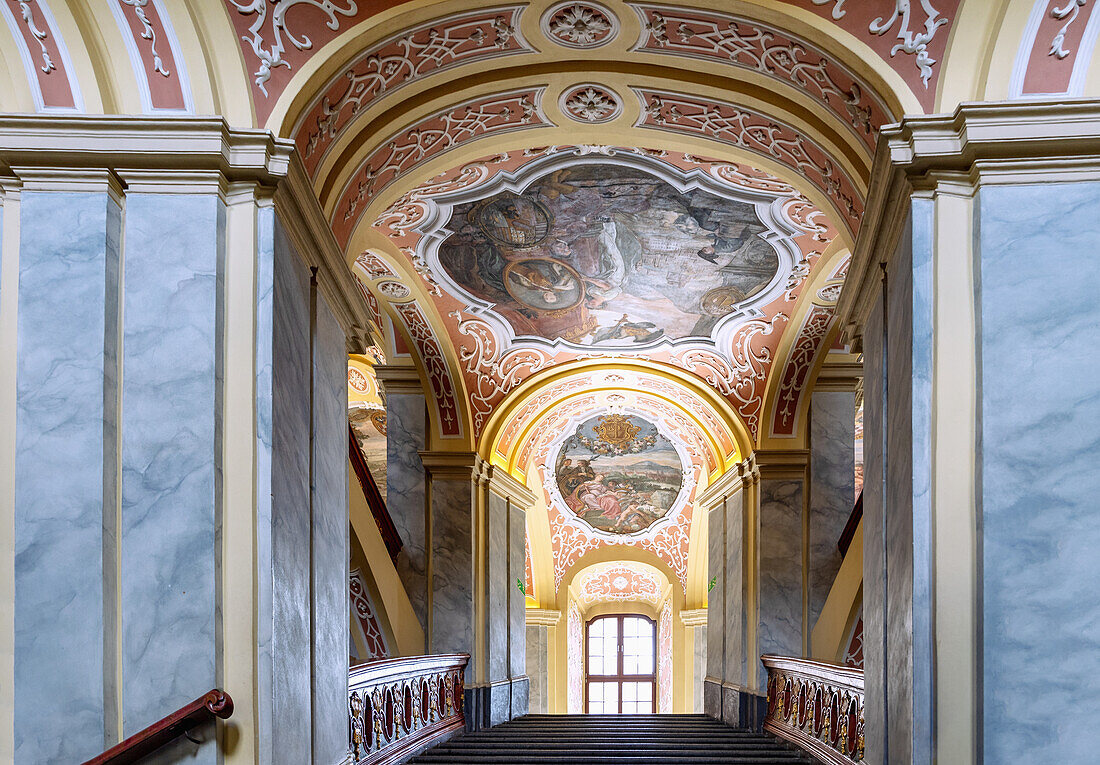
<point>607,255</point>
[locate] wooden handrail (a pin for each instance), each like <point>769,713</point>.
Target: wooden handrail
<point>850,527</point>
<point>375,501</point>
<point>216,703</point>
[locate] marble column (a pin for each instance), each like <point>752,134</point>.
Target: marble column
<point>406,497</point>
<point>832,487</point>
<point>724,685</point>
<point>975,297</point>
<point>66,490</point>
<point>539,643</point>
<point>780,560</point>
<point>476,526</point>
<point>178,445</point>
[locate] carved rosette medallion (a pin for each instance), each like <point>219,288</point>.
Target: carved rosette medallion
<point>579,25</point>
<point>592,104</point>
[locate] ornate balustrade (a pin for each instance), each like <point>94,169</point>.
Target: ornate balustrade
<point>400,706</point>
<point>818,707</point>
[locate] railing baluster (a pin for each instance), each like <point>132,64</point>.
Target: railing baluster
<point>398,707</point>
<point>818,707</point>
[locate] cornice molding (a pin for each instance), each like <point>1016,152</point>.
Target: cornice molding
<point>184,155</point>
<point>452,466</point>
<point>785,463</point>
<point>694,617</point>
<point>978,144</point>
<point>399,380</point>
<point>505,485</point>
<point>543,617</point>
<point>728,484</point>
<point>838,377</point>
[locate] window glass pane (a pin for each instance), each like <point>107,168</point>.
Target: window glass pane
<point>603,698</point>
<point>603,646</point>
<point>638,656</point>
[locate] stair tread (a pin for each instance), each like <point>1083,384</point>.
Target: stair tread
<point>613,740</point>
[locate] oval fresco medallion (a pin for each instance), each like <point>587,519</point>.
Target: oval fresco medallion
<point>618,474</point>
<point>609,256</point>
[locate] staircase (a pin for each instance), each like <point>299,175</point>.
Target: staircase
<point>614,739</point>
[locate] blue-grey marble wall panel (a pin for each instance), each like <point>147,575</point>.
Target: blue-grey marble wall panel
<point>517,602</point>
<point>1040,437</point>
<point>832,487</point>
<point>406,437</point>
<point>898,507</point>
<point>329,501</point>
<point>874,552</point>
<point>537,668</point>
<point>496,571</point>
<point>716,596</point>
<point>290,510</point>
<point>780,615</point>
<point>452,629</point>
<point>66,291</point>
<point>734,658</point>
<point>264,350</point>
<point>168,430</point>
<point>521,697</point>
<point>699,667</point>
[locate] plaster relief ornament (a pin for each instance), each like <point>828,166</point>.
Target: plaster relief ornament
<point>618,474</point>
<point>579,25</point>
<point>590,103</point>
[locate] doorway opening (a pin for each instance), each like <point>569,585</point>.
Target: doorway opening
<point>620,665</point>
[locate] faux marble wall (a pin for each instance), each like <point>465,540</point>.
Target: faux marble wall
<point>832,478</point>
<point>329,506</point>
<point>780,571</point>
<point>406,437</point>
<point>874,551</point>
<point>68,269</point>
<point>290,727</point>
<point>537,668</point>
<point>169,430</point>
<point>517,606</point>
<point>735,659</point>
<point>716,603</point>
<point>699,666</point>
<point>497,615</point>
<point>452,617</point>
<point>1039,441</point>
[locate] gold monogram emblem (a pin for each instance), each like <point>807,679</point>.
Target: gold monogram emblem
<point>616,430</point>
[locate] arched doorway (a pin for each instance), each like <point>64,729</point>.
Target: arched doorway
<point>620,665</point>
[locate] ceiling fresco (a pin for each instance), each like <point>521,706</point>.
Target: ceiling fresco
<point>735,358</point>
<point>618,473</point>
<point>608,256</point>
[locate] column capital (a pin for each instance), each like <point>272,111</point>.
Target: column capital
<point>979,144</point>
<point>185,155</point>
<point>453,466</point>
<point>542,617</point>
<point>786,463</point>
<point>694,617</point>
<point>402,380</point>
<point>727,485</point>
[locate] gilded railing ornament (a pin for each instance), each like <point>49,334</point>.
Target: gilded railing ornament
<point>398,707</point>
<point>818,707</point>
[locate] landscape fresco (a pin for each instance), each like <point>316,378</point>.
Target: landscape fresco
<point>609,256</point>
<point>618,474</point>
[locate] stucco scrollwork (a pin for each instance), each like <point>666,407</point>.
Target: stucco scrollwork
<point>1071,10</point>
<point>272,56</point>
<point>39,35</point>
<point>579,25</point>
<point>913,43</point>
<point>148,33</point>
